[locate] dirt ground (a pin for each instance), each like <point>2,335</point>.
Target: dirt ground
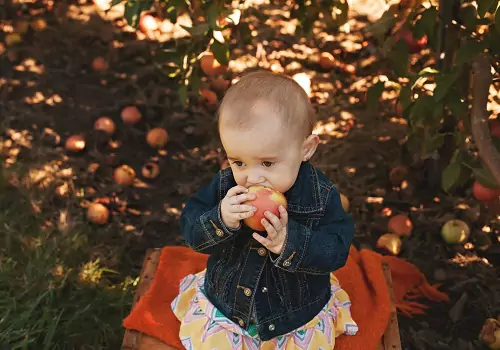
<point>49,92</point>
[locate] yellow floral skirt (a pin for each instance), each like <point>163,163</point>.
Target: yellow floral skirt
<point>204,327</point>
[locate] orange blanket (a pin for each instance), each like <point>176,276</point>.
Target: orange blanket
<point>362,278</point>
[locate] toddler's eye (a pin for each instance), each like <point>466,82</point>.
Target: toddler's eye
<point>238,163</point>
<point>267,164</point>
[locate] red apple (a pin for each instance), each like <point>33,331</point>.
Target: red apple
<point>131,115</point>
<point>105,124</point>
<point>484,194</point>
<point>157,137</point>
<point>345,202</point>
<point>400,225</point>
<point>75,143</point>
<point>390,242</point>
<point>150,170</point>
<point>455,232</point>
<point>97,213</point>
<point>124,175</point>
<point>265,199</point>
<point>495,128</point>
<point>490,333</point>
<point>99,64</point>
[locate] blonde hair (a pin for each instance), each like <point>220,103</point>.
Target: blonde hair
<point>278,93</point>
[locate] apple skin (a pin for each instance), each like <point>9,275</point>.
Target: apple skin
<point>266,199</point>
<point>484,194</point>
<point>455,232</point>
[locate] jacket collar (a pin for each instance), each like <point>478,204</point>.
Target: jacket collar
<point>304,195</point>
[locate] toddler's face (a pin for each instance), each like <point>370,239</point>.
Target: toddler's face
<point>267,154</point>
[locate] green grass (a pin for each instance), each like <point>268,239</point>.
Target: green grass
<point>44,303</point>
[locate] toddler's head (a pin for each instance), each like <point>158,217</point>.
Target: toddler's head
<point>265,124</point>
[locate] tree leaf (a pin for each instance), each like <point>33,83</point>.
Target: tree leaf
<point>468,50</point>
<point>451,174</point>
<point>458,107</point>
<point>405,97</point>
<point>399,56</point>
<point>133,10</point>
<point>198,30</point>
<point>426,23</point>
<point>420,110</point>
<point>433,143</point>
<point>132,13</point>
<point>443,84</point>
<point>373,95</point>
<point>221,52</point>
<point>485,178</point>
<point>484,6</point>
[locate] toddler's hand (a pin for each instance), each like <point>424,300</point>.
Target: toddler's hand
<point>232,210</point>
<point>276,231</point>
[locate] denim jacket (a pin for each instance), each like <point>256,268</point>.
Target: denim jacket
<point>287,290</point>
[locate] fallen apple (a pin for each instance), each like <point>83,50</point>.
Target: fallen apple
<point>99,64</point>
<point>390,242</point>
<point>75,143</point>
<point>345,202</point>
<point>38,24</point>
<point>455,231</point>
<point>484,194</point>
<point>105,124</point>
<point>157,137</point>
<point>97,213</point>
<point>150,170</point>
<point>131,115</point>
<point>124,175</point>
<point>21,27</point>
<point>490,333</point>
<point>266,199</point>
<point>400,225</point>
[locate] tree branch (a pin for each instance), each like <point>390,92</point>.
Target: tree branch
<point>481,81</point>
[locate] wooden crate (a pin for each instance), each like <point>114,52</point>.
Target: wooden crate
<point>134,340</point>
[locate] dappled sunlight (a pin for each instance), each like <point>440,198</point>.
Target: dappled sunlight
<point>467,260</point>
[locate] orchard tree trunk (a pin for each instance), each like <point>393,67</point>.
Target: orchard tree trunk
<point>481,81</point>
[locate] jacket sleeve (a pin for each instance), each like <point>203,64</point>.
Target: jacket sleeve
<point>201,222</point>
<point>320,250</point>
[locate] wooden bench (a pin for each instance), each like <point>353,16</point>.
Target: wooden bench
<point>134,340</point>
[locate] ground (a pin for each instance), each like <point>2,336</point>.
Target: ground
<point>76,279</point>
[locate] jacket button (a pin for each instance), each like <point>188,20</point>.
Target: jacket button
<point>219,232</point>
<point>286,263</point>
<point>264,289</point>
<point>241,322</point>
<point>271,327</point>
<point>262,252</point>
<point>247,292</point>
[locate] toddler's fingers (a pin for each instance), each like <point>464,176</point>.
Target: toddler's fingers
<point>266,242</point>
<point>243,215</point>
<point>233,191</point>
<point>271,231</point>
<point>241,198</point>
<point>283,215</point>
<point>241,208</point>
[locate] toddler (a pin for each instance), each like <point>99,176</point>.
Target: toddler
<point>272,289</point>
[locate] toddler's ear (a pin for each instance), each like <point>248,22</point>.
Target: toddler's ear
<point>309,147</point>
